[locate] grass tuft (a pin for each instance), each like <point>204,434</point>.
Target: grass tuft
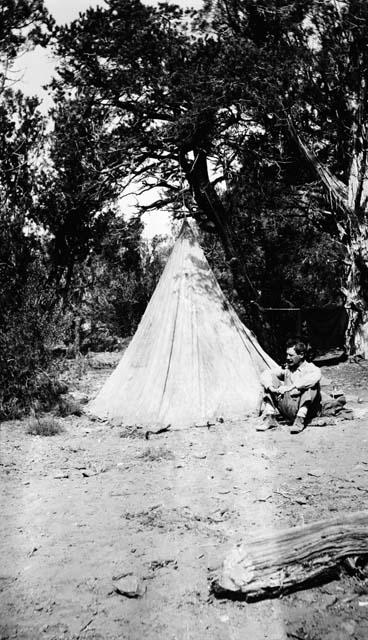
<point>132,431</point>
<point>155,455</point>
<point>44,427</point>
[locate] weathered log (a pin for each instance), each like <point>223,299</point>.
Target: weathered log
<point>283,561</point>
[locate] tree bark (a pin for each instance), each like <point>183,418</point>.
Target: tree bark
<point>350,205</point>
<point>282,561</point>
<point>356,289</point>
<point>77,332</point>
<point>356,336</point>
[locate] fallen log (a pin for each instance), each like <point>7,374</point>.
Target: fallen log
<point>284,561</point>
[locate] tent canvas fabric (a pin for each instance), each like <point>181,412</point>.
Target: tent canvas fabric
<point>191,359</point>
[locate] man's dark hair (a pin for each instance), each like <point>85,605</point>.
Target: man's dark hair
<point>300,347</point>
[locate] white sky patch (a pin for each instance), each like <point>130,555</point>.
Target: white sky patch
<point>156,223</point>
<point>34,70</point>
<point>64,11</point>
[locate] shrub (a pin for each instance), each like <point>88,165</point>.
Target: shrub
<point>68,407</point>
<point>29,321</point>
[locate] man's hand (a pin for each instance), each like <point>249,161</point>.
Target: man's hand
<point>273,389</point>
<point>283,388</point>
<point>294,392</point>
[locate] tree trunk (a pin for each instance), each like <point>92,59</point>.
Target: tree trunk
<point>356,289</point>
<point>77,330</point>
<point>283,561</point>
<point>356,336</point>
<point>349,203</point>
<point>210,204</point>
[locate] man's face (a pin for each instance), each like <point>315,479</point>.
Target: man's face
<point>293,359</point>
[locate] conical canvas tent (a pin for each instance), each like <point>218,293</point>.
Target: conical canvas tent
<point>191,359</point>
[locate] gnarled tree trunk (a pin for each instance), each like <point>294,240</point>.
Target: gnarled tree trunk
<point>209,202</point>
<point>349,204</point>
<point>356,337</point>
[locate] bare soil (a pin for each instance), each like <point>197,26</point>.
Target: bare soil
<point>96,502</point>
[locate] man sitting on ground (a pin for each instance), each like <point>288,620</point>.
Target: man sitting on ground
<point>294,392</point>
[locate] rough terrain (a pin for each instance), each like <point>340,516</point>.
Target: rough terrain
<point>96,502</point>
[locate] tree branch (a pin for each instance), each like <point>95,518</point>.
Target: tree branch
<point>337,191</point>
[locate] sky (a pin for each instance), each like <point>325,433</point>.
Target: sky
<point>36,68</point>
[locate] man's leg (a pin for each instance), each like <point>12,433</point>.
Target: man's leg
<point>269,408</point>
<point>300,407</point>
<point>289,404</point>
<point>309,406</point>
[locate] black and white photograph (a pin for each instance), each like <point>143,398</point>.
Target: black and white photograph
<point>183,320</point>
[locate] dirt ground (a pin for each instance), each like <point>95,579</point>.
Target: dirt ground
<point>95,502</point>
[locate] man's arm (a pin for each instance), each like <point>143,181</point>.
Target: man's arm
<point>308,377</point>
<point>267,377</point>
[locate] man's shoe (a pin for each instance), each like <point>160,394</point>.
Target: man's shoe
<point>268,422</point>
<point>298,425</point>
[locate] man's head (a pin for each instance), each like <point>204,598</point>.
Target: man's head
<point>295,354</point>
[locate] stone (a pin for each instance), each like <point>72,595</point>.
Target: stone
<point>129,585</point>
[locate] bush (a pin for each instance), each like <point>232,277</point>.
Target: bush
<point>69,407</point>
<point>29,322</point>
